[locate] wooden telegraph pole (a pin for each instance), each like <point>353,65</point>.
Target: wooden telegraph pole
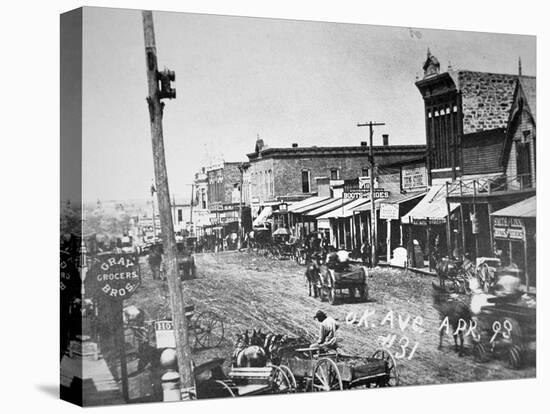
<point>374,230</point>
<point>156,107</point>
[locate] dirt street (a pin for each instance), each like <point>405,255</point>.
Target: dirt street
<point>250,291</point>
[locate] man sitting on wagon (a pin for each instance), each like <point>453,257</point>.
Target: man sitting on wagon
<point>327,335</point>
<point>338,261</point>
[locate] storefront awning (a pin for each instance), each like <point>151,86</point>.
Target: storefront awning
<point>432,208</point>
<point>292,208</point>
<point>392,199</point>
<point>524,209</point>
<point>344,212</point>
<point>263,216</point>
<point>313,206</point>
<point>334,203</point>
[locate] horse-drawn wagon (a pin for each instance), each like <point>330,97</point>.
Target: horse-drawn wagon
<point>506,330</point>
<point>332,281</point>
<point>321,370</point>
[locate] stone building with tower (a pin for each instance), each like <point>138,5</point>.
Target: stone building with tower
<point>480,136</point>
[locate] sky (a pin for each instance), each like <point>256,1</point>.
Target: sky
<point>238,77</point>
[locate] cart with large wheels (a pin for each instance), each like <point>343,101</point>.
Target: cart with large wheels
<point>207,327</point>
<point>351,282</point>
<point>315,370</point>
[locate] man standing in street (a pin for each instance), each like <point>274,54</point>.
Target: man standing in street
<point>155,261</point>
<point>327,334</point>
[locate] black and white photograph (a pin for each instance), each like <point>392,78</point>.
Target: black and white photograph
<point>259,206</point>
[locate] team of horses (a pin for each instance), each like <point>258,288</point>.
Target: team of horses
<point>257,348</point>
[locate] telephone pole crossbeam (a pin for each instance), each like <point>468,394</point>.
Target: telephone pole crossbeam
<point>373,227</point>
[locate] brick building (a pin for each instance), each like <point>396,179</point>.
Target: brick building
<point>221,181</point>
<point>290,173</point>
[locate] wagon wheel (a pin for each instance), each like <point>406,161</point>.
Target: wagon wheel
<point>326,376</point>
<point>331,295</point>
<point>480,352</point>
<point>515,357</point>
<point>364,292</point>
<point>392,379</point>
<point>331,289</point>
<point>209,330</point>
<point>226,388</point>
<point>280,382</point>
<point>290,376</point>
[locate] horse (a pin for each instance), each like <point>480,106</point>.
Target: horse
<point>312,277</point>
<point>454,311</point>
<point>249,351</point>
<point>459,272</point>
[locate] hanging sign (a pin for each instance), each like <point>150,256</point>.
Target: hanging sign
<point>164,334</point>
<point>116,276</point>
<point>389,211</point>
<point>475,223</point>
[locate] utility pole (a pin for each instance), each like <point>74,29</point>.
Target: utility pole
<point>239,239</point>
<point>374,230</point>
<point>191,228</point>
<point>156,107</point>
<point>153,191</point>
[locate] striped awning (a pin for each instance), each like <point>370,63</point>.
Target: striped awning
<point>344,212</point>
<point>335,203</point>
<point>298,206</point>
<point>263,216</point>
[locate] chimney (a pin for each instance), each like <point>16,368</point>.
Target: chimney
<point>323,186</point>
<point>294,145</point>
<point>385,140</point>
<point>363,143</point>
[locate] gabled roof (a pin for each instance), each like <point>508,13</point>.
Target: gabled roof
<point>525,98</point>
<point>528,86</point>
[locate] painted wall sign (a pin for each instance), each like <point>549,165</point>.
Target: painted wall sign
<point>69,276</point>
<point>414,178</point>
<point>116,276</point>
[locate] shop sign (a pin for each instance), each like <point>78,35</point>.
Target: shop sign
<point>508,228</point>
<point>389,211</point>
<point>116,276</point>
<point>364,193</point>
